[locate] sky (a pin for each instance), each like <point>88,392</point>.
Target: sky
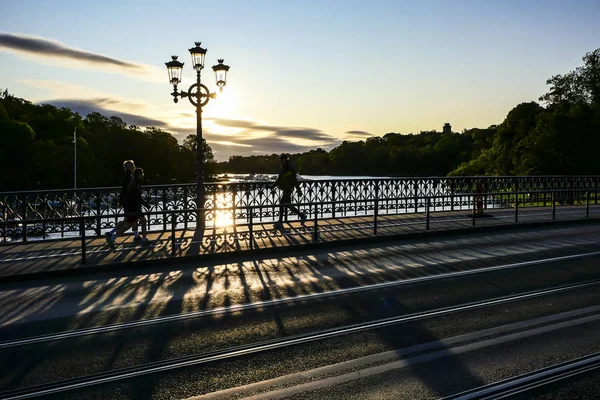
<point>304,74</point>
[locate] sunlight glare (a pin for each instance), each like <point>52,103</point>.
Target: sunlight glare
<point>225,104</point>
<point>224,218</point>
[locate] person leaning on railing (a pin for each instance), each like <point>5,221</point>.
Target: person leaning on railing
<point>286,182</point>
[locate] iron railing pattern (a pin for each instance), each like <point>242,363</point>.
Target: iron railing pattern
<point>233,202</point>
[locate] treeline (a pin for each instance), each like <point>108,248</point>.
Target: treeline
<point>562,137</point>
<point>37,149</point>
<point>424,154</point>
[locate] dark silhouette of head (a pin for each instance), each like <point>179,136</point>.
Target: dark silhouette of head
<point>129,165</point>
<point>138,174</point>
<point>283,159</point>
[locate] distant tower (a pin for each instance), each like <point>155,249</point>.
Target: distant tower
<point>447,128</point>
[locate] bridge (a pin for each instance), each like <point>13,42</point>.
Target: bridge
<point>64,230</point>
<point>394,288</point>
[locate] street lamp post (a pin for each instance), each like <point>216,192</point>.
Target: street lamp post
<point>198,95</point>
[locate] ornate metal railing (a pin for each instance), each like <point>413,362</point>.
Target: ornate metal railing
<point>245,237</point>
<point>230,203</point>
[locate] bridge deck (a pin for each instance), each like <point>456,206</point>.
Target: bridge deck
<point>41,256</point>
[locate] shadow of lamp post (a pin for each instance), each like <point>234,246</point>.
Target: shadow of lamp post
<point>198,95</point>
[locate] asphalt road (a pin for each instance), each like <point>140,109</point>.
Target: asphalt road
<point>434,356</point>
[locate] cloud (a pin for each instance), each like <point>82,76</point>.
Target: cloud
<point>359,133</point>
<point>270,145</point>
<point>55,86</point>
<point>311,134</point>
<point>210,137</point>
<point>234,123</point>
<point>305,133</point>
<point>260,146</point>
<point>247,142</point>
<point>257,138</point>
<point>62,90</point>
<point>39,47</point>
<point>103,106</point>
<point>226,143</point>
<point>251,137</point>
<point>51,48</point>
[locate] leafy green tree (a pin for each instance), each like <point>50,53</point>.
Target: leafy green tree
<point>314,162</point>
<point>38,150</point>
<point>579,86</point>
<point>17,140</point>
<point>188,152</point>
<point>562,138</point>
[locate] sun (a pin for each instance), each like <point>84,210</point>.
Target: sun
<point>224,105</point>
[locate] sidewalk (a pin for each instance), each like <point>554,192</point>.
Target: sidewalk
<point>65,255</point>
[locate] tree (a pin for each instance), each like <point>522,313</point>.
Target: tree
<point>579,86</point>
<point>189,146</point>
<point>17,140</point>
<point>559,139</point>
<point>38,147</point>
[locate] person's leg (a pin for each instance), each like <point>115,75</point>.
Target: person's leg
<point>120,223</point>
<point>135,229</point>
<point>286,199</point>
<point>295,209</point>
<point>120,229</point>
<point>283,202</point>
<point>282,210</point>
<point>142,221</point>
<point>113,230</point>
<point>279,223</point>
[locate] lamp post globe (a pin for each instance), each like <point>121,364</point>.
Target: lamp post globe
<point>221,74</point>
<point>198,53</point>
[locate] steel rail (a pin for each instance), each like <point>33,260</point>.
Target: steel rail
<point>269,345</point>
<point>532,380</point>
<point>283,301</point>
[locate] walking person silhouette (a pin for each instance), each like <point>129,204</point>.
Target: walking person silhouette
<point>287,181</point>
<point>133,210</point>
<point>129,167</point>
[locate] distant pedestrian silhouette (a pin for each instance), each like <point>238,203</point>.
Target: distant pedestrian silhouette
<point>287,181</point>
<point>126,179</point>
<point>133,209</point>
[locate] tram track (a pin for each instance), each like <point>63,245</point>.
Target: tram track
<point>270,345</point>
<point>199,344</point>
<point>236,308</point>
<point>538,379</point>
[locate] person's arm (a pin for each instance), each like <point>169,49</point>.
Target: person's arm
<point>274,185</point>
<point>135,195</point>
<point>297,184</point>
<point>131,197</point>
<point>123,194</point>
<point>142,200</point>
